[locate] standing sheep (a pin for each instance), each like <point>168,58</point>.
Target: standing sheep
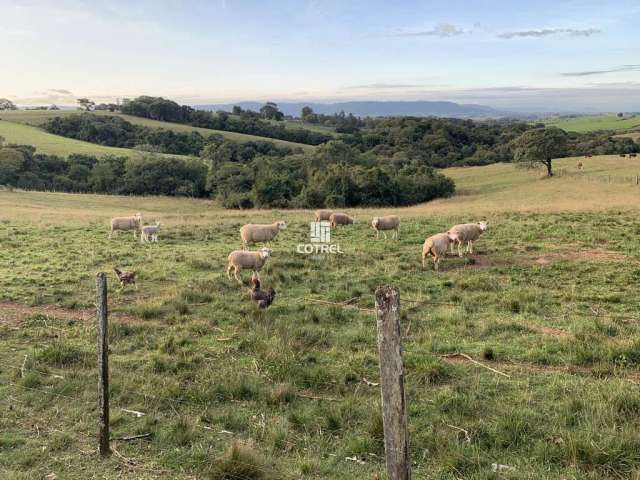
<point>466,232</point>
<point>337,218</point>
<point>240,259</point>
<point>436,246</point>
<point>254,232</point>
<point>323,215</point>
<point>149,233</point>
<point>126,223</point>
<point>390,222</point>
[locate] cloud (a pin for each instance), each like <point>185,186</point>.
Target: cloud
<point>440,30</point>
<point>545,32</point>
<point>60,91</point>
<point>622,68</point>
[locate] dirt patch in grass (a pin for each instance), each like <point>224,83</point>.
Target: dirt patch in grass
<point>554,332</point>
<point>590,255</point>
<point>13,314</point>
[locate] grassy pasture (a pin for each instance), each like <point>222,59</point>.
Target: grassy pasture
<point>590,123</point>
<point>56,145</point>
<point>38,117</point>
<point>550,299</point>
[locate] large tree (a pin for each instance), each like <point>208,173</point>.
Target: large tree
<point>86,104</point>
<point>540,145</point>
<point>270,111</point>
<point>6,104</point>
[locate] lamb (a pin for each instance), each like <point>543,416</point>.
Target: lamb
<point>240,259</point>
<point>323,215</point>
<point>126,223</point>
<point>466,232</point>
<point>436,246</point>
<point>253,232</point>
<point>390,222</point>
<point>149,233</point>
<point>337,218</point>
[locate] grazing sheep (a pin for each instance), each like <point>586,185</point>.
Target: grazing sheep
<point>337,218</point>
<point>633,154</point>
<point>466,232</point>
<point>323,215</point>
<point>436,246</point>
<point>240,259</point>
<point>126,223</point>
<point>580,165</point>
<point>149,233</point>
<point>254,232</point>
<point>390,222</point>
<point>622,155</point>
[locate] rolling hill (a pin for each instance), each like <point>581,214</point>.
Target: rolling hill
<point>377,108</point>
<point>38,117</point>
<point>590,123</point>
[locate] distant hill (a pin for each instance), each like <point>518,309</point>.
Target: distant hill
<point>420,108</point>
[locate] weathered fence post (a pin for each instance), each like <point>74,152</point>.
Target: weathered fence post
<point>394,405</point>
<point>637,179</point>
<point>103,362</point>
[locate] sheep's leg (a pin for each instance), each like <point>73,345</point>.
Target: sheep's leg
<point>377,234</point>
<point>436,262</point>
<point>471,247</point>
<point>385,234</point>
<point>229,267</point>
<point>396,233</point>
<point>424,257</point>
<point>235,275</point>
<point>460,249</point>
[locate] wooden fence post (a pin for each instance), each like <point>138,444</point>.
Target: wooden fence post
<point>394,405</point>
<point>103,362</point>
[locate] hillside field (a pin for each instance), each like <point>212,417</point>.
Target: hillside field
<point>590,123</point>
<point>548,301</point>
<point>38,117</point>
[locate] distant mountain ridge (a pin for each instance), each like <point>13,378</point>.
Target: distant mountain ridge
<point>418,108</point>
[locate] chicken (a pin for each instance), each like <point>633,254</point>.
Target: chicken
<point>263,298</point>
<point>125,278</point>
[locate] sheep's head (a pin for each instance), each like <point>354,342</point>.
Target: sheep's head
<point>374,222</point>
<point>483,225</point>
<point>138,217</point>
<point>282,225</point>
<point>452,236</point>
<point>265,252</point>
<point>158,225</point>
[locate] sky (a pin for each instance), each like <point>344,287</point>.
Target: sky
<point>543,55</point>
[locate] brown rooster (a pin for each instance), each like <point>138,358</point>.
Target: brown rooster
<point>263,298</point>
<point>126,278</point>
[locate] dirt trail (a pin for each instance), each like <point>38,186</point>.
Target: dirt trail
<point>12,314</point>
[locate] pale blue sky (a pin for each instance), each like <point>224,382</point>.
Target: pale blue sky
<point>526,54</point>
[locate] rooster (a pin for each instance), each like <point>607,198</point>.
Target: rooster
<point>263,298</point>
<point>126,278</point>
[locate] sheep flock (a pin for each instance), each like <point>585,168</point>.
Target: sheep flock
<point>435,246</point>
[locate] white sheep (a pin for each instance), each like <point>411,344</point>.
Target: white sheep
<point>323,215</point>
<point>240,259</point>
<point>254,232</point>
<point>390,222</point>
<point>338,218</point>
<point>436,246</point>
<point>466,232</point>
<point>149,233</point>
<point>126,223</point>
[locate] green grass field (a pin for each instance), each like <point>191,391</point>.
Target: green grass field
<point>45,142</point>
<point>38,117</point>
<point>590,123</point>
<point>549,299</point>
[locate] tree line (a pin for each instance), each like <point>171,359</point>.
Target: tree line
<point>158,108</point>
<point>115,131</point>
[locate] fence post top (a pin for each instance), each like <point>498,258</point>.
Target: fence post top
<point>100,274</point>
<point>387,297</point>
